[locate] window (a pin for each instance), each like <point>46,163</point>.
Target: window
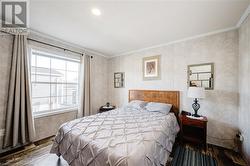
<point>54,82</point>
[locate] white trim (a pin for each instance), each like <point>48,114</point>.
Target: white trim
<point>32,31</point>
<point>51,113</point>
<point>244,16</point>
<point>177,41</point>
<point>53,53</point>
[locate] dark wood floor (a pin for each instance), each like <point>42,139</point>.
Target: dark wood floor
<point>40,156</point>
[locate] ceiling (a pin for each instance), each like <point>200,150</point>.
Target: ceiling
<point>125,26</point>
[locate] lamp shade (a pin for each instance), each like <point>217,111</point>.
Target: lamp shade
<point>196,92</point>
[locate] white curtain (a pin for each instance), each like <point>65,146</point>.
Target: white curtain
<point>85,93</point>
<point>19,119</point>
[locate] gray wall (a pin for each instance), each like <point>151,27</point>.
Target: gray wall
<point>220,104</point>
<point>244,81</point>
<point>48,125</point>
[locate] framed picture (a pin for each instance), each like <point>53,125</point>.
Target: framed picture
<point>151,68</point>
<point>118,80</point>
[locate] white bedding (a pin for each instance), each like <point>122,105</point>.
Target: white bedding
<point>117,137</point>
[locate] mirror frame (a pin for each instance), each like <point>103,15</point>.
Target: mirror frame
<point>202,64</point>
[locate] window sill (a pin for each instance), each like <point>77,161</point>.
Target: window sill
<point>45,114</point>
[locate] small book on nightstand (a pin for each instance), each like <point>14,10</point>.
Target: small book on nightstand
<point>193,117</point>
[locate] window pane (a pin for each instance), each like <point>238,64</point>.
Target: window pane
<point>58,64</point>
<point>72,77</point>
<point>72,66</point>
<point>72,89</point>
<point>41,78</point>
<point>40,104</point>
<point>40,90</point>
<point>33,78</point>
<point>58,103</point>
<point>58,75</point>
<point>43,62</point>
<point>33,60</point>
<point>72,100</point>
<point>58,90</point>
<point>54,82</point>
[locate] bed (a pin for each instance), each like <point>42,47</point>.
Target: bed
<point>123,136</point>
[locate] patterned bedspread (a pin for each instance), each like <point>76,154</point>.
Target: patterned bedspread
<point>118,137</point>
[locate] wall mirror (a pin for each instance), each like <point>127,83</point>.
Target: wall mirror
<point>201,75</point>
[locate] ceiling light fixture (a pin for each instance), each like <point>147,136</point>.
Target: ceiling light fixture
<point>96,12</point>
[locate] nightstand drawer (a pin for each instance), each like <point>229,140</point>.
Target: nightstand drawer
<point>193,122</point>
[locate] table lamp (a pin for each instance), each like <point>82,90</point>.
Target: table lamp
<point>196,93</point>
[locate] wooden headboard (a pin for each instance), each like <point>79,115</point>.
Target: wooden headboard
<point>170,97</point>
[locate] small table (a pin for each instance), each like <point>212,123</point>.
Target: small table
<point>194,130</point>
<point>105,108</point>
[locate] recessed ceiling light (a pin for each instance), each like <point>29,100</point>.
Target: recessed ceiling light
<point>96,12</point>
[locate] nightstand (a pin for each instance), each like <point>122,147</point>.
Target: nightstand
<point>194,130</point>
<point>105,108</point>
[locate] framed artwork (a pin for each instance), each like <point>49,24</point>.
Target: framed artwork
<point>151,68</point>
<point>118,80</point>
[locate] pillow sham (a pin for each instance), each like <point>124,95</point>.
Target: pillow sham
<point>158,107</point>
<point>137,104</point>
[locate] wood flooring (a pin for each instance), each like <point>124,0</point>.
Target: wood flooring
<point>40,156</point>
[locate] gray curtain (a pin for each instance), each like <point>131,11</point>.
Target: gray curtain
<point>85,93</point>
<point>19,120</point>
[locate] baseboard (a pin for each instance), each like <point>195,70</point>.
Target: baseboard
<point>5,153</point>
<point>17,149</point>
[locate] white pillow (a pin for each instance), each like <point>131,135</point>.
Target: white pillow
<point>137,104</point>
<point>158,107</point>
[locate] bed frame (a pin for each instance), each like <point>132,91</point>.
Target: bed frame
<point>170,97</point>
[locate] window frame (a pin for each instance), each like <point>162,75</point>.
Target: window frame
<point>57,55</point>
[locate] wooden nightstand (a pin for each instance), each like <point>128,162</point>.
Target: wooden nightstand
<point>105,108</point>
<point>194,130</point>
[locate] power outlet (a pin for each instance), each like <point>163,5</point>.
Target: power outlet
<point>2,131</point>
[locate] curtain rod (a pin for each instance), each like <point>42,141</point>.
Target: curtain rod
<point>55,46</point>
<point>51,45</point>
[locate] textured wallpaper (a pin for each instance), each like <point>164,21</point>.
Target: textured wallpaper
<point>99,82</point>
<point>244,81</point>
<point>220,104</point>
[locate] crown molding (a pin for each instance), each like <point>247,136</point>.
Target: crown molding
<point>177,41</point>
<point>90,51</point>
<point>244,16</point>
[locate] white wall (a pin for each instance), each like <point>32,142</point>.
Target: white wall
<point>244,82</point>
<point>220,105</point>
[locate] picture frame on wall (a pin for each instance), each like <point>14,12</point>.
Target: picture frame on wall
<point>151,68</point>
<point>119,80</point>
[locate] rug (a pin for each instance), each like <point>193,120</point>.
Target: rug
<point>184,156</point>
